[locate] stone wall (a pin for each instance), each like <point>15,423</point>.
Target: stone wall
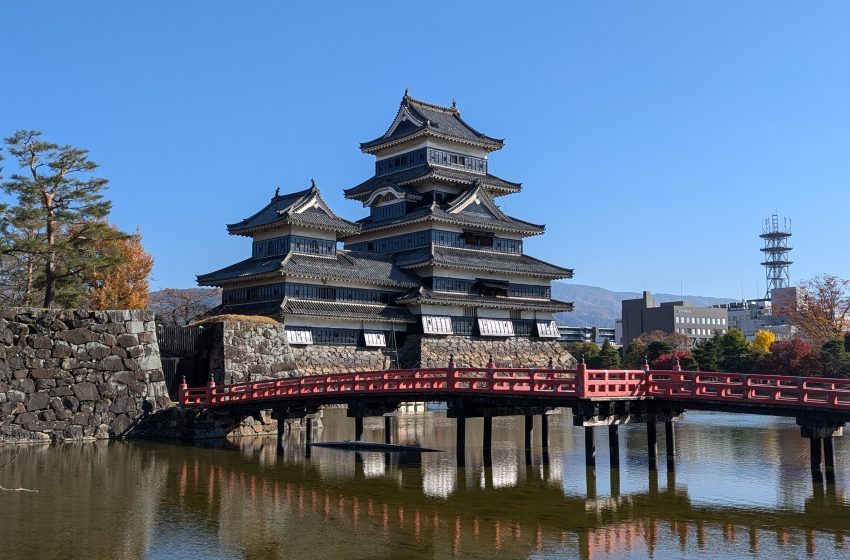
<point>73,375</point>
<point>475,352</point>
<point>250,351</point>
<point>314,360</point>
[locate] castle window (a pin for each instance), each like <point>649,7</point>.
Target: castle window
<point>478,239</point>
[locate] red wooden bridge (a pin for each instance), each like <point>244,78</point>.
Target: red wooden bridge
<point>820,405</point>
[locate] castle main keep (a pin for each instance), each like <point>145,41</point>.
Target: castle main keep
<point>435,267</point>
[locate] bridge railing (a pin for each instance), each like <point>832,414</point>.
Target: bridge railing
<point>782,390</point>
<point>543,381</point>
<point>818,392</point>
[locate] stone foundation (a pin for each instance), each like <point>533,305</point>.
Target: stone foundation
<point>476,351</point>
<point>246,351</point>
<point>74,375</point>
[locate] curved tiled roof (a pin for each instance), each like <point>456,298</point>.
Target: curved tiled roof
<point>283,209</point>
<point>427,296</point>
<point>344,310</point>
<point>346,266</point>
<point>433,120</point>
<point>495,185</point>
<point>435,213</point>
<point>244,270</point>
<point>474,259</point>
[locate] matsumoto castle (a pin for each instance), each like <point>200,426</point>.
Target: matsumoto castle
<point>435,255</point>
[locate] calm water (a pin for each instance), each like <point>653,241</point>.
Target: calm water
<point>742,489</point>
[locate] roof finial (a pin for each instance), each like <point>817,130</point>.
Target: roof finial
<point>407,91</point>
<point>454,104</point>
<point>312,183</point>
<point>277,190</point>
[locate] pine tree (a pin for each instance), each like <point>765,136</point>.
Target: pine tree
<point>609,356</point>
<point>55,189</point>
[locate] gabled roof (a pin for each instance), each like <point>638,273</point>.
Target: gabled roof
<point>419,118</point>
<point>472,208</point>
<point>415,175</point>
<point>348,266</point>
<point>427,296</point>
<point>304,208</point>
<point>478,260</point>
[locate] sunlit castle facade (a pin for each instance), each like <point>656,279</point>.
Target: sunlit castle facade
<point>436,256</point>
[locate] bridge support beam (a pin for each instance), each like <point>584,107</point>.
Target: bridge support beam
<point>460,441</point>
<point>529,437</point>
<point>488,441</point>
<point>829,459</point>
<point>670,441</point>
<point>544,438</point>
<point>652,444</point>
<point>281,432</point>
<point>589,448</point>
<point>614,445</point>
<point>388,429</point>
<point>816,455</point>
<point>308,436</point>
<point>358,428</point>
<point>821,451</point>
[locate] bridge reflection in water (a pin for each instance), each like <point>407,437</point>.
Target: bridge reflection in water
<point>737,489</point>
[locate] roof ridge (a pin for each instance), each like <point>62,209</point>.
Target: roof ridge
<point>448,110</point>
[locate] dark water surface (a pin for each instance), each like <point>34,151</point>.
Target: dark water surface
<point>742,488</point>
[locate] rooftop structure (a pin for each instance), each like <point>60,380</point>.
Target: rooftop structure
<point>643,315</point>
<point>776,261</point>
<point>435,255</point>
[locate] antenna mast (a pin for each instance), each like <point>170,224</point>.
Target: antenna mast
<point>776,259</point>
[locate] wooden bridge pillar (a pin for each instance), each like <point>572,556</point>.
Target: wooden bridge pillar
<point>460,440</point>
<point>358,428</point>
<point>544,438</point>
<point>652,444</point>
<point>280,435</point>
<point>614,445</point>
<point>821,452</point>
<point>589,447</point>
<point>829,459</point>
<point>388,429</point>
<point>816,454</point>
<point>308,436</point>
<point>670,441</point>
<point>529,437</point>
<point>488,441</point>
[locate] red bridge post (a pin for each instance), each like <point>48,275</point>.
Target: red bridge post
<point>181,391</point>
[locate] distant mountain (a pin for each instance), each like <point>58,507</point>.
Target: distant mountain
<point>598,307</point>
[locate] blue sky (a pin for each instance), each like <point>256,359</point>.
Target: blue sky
<point>651,137</point>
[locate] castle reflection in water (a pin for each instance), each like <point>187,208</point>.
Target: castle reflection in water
<point>734,494</point>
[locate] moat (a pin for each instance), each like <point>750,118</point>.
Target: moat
<point>742,487</point>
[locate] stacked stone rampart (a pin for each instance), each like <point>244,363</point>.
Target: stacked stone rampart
<point>508,352</point>
<point>251,351</point>
<point>73,375</point>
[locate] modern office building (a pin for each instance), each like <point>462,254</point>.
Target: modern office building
<point>597,335</point>
<point>643,315</point>
<point>751,316</point>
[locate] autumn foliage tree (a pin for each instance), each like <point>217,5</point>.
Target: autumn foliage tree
<point>763,340</point>
<point>125,285</point>
<point>789,357</point>
<point>822,309</point>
